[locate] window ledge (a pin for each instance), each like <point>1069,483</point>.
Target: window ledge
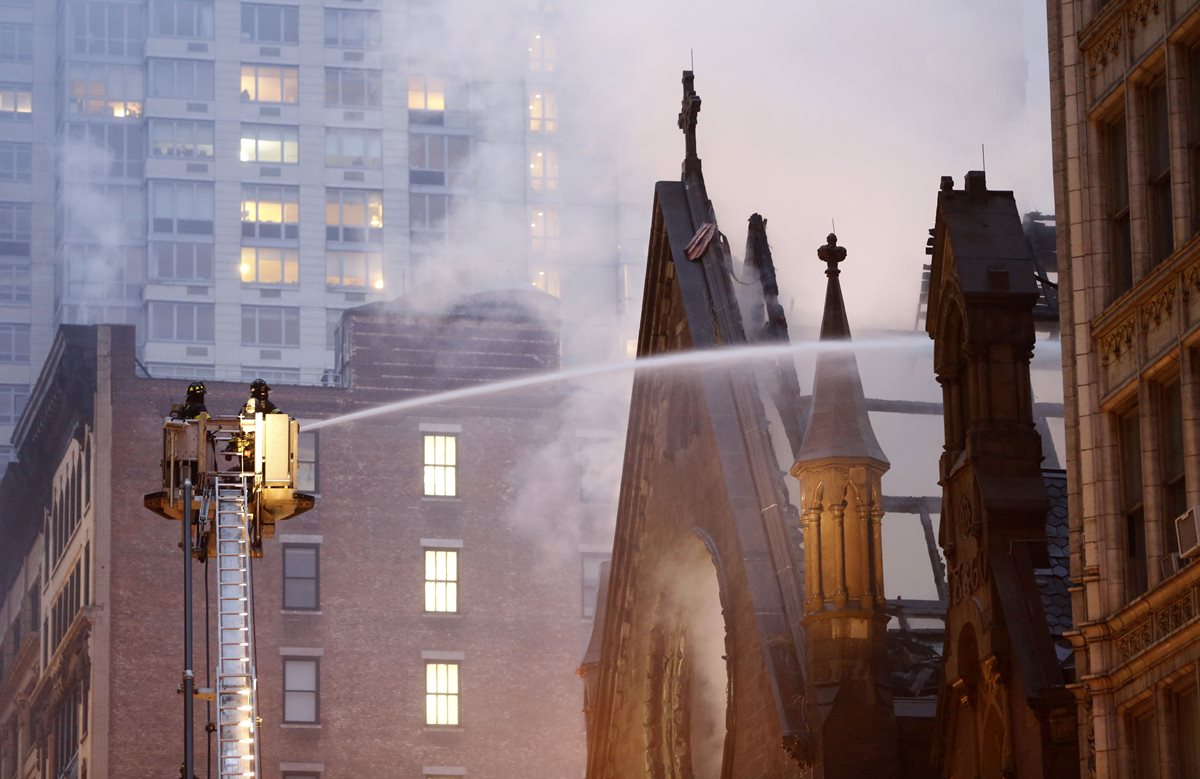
<point>300,725</point>
<point>442,498</point>
<point>305,612</point>
<point>443,614</point>
<point>443,729</point>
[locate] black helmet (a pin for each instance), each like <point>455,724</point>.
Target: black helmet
<point>196,388</point>
<point>259,388</point>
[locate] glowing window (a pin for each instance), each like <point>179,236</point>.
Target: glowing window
<point>270,84</point>
<point>270,143</point>
<point>269,265</point>
<point>16,101</point>
<point>426,94</point>
<point>543,230</point>
<point>542,53</point>
<point>543,112</point>
<point>441,693</point>
<point>543,169</point>
<point>441,580</point>
<point>441,463</point>
<point>270,212</point>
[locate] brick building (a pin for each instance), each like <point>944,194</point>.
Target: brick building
<point>395,621</point>
<point>1125,98</point>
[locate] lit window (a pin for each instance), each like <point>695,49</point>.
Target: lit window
<point>543,230</point>
<point>270,84</point>
<point>301,583</point>
<point>107,90</point>
<point>547,280</point>
<point>542,53</point>
<point>441,693</point>
<point>441,462</point>
<point>301,687</point>
<point>426,94</point>
<point>270,143</point>
<point>269,265</point>
<point>441,580</point>
<point>543,170</point>
<point>543,112</point>
<point>270,212</point>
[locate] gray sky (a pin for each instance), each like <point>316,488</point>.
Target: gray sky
<point>818,111</point>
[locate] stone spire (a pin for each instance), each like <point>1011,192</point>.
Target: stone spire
<point>840,468</point>
<point>838,423</point>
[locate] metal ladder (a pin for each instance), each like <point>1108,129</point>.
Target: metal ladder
<point>237,680</point>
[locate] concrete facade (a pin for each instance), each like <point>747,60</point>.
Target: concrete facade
<point>1125,80</point>
<point>231,176</point>
<point>94,691</point>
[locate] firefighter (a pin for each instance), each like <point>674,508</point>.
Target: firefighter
<point>193,405</point>
<point>259,401</point>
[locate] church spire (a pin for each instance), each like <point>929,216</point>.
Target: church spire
<point>839,426</point>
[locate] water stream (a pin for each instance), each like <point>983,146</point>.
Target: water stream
<point>690,359</point>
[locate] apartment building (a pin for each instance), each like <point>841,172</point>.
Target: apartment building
<point>230,176</point>
<point>1125,78</point>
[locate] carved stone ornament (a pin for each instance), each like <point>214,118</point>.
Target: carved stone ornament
<point>1140,13</point>
<point>1117,341</point>
<point>801,748</point>
<point>1156,626</point>
<point>1105,49</point>
<point>1159,307</point>
<point>969,524</point>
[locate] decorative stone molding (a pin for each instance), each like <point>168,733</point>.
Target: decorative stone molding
<point>1159,307</point>
<point>1140,13</point>
<point>1105,49</point>
<point>1117,341</point>
<point>1157,625</point>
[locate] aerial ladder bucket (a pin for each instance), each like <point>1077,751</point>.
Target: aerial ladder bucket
<point>244,474</point>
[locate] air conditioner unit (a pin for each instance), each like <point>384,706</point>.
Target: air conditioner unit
<point>1169,565</point>
<point>1188,533</point>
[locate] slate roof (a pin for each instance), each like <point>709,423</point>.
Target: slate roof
<point>1054,580</point>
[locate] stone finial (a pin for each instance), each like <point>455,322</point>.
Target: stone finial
<point>831,254</point>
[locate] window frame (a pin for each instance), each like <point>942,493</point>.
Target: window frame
<point>197,190</point>
<point>315,461</point>
<point>287,77</point>
<point>257,229</point>
<point>199,263</point>
<point>1130,492</point>
<point>438,159</point>
<point>372,25</point>
<point>451,696</point>
<point>288,28</point>
<point>289,326</point>
<point>543,112</point>
<point>16,94</point>
<point>1116,183</point>
<point>315,692</point>
<point>371,86</point>
<point>198,311</point>
<point>441,583</point>
<point>199,142</point>
<point>289,548</point>
<point>202,24</point>
<point>256,134</point>
<point>17,157</point>
<point>339,232</point>
<point>18,48</point>
<point>1156,116</point>
<point>339,135</point>
<point>250,267</point>
<point>372,276</point>
<point>434,464</point>
<point>200,83</point>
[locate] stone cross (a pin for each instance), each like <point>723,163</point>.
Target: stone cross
<point>688,115</point>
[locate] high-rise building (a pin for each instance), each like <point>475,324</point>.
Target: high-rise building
<point>230,176</point>
<point>1125,100</point>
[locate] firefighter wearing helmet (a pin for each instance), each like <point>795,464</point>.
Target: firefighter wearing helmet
<point>259,401</point>
<point>193,405</point>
